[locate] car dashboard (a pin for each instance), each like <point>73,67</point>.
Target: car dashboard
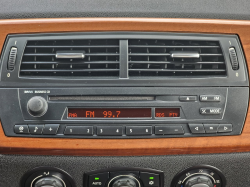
<point>139,94</point>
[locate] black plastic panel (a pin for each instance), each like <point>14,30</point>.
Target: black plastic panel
<point>233,78</point>
<point>234,167</point>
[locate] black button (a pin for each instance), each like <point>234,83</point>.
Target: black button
<point>188,98</point>
<point>21,129</point>
<point>225,128</point>
<point>210,98</point>
<point>197,128</point>
<point>98,180</point>
<point>210,111</point>
<point>150,179</point>
<point>138,130</point>
<point>109,130</point>
<point>78,130</point>
<point>211,128</point>
<point>160,130</point>
<point>50,128</point>
<point>36,129</point>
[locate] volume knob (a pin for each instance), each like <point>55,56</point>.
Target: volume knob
<point>37,106</point>
<point>199,181</point>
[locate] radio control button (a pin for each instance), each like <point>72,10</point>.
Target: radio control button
<point>79,130</point>
<point>109,130</point>
<point>37,106</point>
<point>138,130</point>
<point>150,179</point>
<point>188,98</point>
<point>210,111</point>
<point>168,130</point>
<point>21,129</point>
<point>210,98</point>
<point>50,129</point>
<point>196,128</point>
<point>98,180</point>
<point>225,128</point>
<point>211,128</point>
<point>36,129</point>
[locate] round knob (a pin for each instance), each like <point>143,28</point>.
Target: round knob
<point>124,181</point>
<point>48,182</point>
<point>199,181</point>
<point>37,106</point>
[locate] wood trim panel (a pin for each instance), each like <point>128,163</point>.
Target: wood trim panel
<point>98,147</point>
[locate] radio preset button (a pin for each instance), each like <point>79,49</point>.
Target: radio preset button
<point>211,128</point>
<point>138,130</point>
<point>188,98</point>
<point>50,129</point>
<point>168,130</point>
<point>36,129</point>
<point>79,130</point>
<point>225,128</point>
<point>210,98</point>
<point>109,130</point>
<point>210,111</point>
<point>21,129</point>
<point>196,128</point>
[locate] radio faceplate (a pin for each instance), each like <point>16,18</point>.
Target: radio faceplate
<point>203,111</point>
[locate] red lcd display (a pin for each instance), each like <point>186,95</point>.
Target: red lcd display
<point>167,112</point>
<point>109,113</point>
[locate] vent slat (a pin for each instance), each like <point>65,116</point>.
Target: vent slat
<point>74,63</point>
<point>72,46</point>
<point>170,46</point>
<point>168,54</point>
<point>86,54</point>
<point>180,70</point>
<point>68,70</point>
<point>101,58</point>
<point>173,62</point>
<point>148,57</point>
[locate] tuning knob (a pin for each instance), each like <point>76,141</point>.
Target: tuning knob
<point>199,181</point>
<point>37,106</point>
<point>49,182</point>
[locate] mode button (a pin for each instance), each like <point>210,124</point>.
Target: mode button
<point>210,111</point>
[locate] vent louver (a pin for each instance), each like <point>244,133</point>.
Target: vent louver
<point>157,58</point>
<point>101,58</point>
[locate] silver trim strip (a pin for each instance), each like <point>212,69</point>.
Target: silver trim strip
<point>184,54</point>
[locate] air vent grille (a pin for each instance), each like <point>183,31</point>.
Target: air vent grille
<point>155,58</point>
<point>101,58</point>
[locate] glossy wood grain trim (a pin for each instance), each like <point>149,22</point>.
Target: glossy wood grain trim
<point>166,146</point>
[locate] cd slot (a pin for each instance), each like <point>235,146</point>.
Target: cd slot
<point>101,98</point>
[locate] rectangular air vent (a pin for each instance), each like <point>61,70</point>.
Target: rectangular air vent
<point>101,58</point>
<point>148,57</point>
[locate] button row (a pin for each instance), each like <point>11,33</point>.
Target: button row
<point>48,129</point>
<point>210,128</point>
<point>51,129</point>
<point>203,98</point>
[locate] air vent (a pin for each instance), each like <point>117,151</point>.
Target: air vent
<point>175,58</point>
<point>100,58</point>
